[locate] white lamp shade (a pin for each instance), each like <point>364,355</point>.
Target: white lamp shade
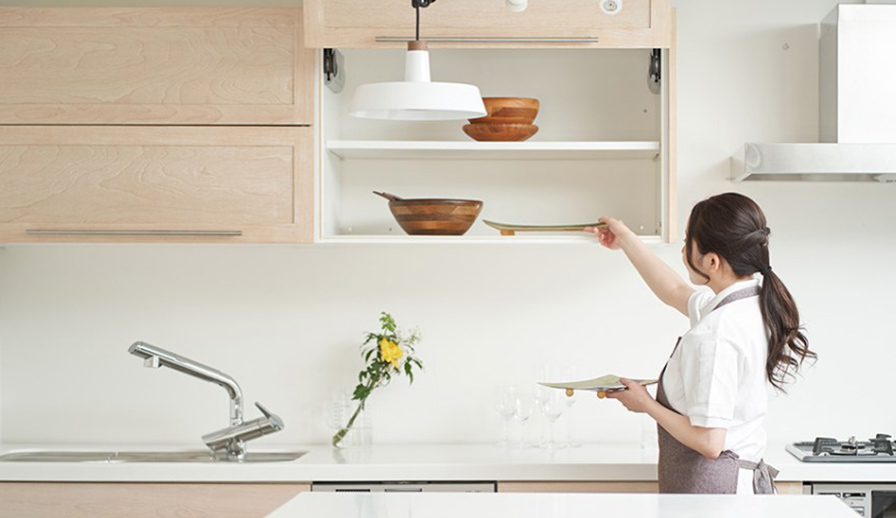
<point>407,101</point>
<point>417,98</point>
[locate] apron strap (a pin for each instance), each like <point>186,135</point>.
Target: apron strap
<point>745,293</point>
<point>763,476</point>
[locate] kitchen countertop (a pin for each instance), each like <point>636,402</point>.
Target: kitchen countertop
<point>417,462</point>
<point>483,505</point>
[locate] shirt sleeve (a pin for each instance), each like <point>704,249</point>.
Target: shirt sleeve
<point>696,302</point>
<point>709,372</point>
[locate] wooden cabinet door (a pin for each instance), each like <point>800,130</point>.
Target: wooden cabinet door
<point>155,184</point>
<point>154,66</point>
<point>358,23</point>
<point>143,500</point>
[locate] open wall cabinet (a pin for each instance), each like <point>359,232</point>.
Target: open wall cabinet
<point>605,145</point>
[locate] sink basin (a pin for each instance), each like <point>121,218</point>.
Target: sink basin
<point>113,457</point>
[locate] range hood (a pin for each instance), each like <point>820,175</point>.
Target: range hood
<point>857,106</point>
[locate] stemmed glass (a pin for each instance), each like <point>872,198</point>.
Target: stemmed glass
<point>505,406</point>
<point>552,408</point>
<point>525,403</point>
<point>569,401</point>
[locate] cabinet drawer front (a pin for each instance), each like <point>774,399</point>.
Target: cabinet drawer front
<point>144,500</point>
<point>186,184</point>
<point>357,23</point>
<point>154,66</point>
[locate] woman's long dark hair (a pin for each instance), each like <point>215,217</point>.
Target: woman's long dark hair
<point>733,226</point>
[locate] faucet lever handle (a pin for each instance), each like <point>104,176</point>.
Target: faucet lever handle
<point>267,413</point>
<point>151,362</point>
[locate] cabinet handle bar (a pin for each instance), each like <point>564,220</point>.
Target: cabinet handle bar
<point>89,232</point>
<point>450,39</point>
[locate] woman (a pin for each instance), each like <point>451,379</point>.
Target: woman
<point>711,398</point>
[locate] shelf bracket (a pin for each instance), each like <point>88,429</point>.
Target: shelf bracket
<point>334,76</point>
<point>654,76</point>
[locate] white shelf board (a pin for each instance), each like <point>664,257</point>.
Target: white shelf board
<point>470,150</point>
<point>493,240</point>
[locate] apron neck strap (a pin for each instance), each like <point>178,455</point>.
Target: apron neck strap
<point>745,293</point>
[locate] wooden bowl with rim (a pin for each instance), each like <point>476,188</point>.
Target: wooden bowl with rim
<point>500,132</point>
<point>508,110</point>
<point>433,216</point>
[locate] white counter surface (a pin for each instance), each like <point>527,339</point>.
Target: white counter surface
<point>479,505</point>
<point>420,462</point>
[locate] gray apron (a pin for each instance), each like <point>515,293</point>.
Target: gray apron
<point>683,470</point>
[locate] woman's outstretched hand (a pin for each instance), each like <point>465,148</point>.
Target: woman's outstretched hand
<point>611,234</point>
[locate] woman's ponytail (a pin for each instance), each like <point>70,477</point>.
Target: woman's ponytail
<point>788,347</point>
<point>733,226</point>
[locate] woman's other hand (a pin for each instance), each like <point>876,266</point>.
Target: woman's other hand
<point>611,234</point>
<point>635,396</point>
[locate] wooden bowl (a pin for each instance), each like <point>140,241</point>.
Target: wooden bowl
<point>508,110</point>
<point>500,132</point>
<point>435,217</point>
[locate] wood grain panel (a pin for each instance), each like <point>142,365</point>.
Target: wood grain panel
<point>100,178</point>
<point>143,500</point>
<point>578,487</point>
<point>154,66</point>
<point>357,23</point>
<point>789,488</point>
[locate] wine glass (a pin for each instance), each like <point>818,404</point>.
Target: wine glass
<point>552,407</point>
<point>505,407</point>
<point>569,401</point>
<point>525,404</point>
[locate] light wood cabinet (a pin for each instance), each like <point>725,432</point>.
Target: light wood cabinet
<point>578,487</point>
<point>149,184</point>
<point>154,66</point>
<point>143,500</point>
<point>604,23</point>
<point>155,125</point>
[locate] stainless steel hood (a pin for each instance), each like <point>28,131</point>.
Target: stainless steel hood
<point>857,107</point>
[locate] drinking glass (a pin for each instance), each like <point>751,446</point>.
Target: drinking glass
<point>550,372</point>
<point>505,407</point>
<point>552,408</point>
<point>569,401</point>
<point>525,403</point>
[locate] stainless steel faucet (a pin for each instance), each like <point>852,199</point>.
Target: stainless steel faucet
<point>231,439</point>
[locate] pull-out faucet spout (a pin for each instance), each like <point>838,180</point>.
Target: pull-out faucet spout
<point>157,357</point>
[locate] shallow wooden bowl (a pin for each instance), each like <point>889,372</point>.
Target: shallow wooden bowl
<point>508,110</point>
<point>436,217</point>
<point>500,132</point>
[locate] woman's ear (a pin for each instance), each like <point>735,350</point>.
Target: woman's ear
<point>712,262</point>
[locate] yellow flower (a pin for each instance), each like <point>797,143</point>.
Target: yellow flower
<point>391,352</point>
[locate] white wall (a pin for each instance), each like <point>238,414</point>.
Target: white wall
<point>286,321</point>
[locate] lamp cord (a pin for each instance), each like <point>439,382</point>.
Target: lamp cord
<point>417,4</point>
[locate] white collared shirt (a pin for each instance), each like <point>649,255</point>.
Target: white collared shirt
<point>716,376</point>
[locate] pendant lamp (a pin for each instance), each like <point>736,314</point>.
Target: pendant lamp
<point>417,98</point>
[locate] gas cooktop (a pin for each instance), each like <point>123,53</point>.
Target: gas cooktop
<point>824,449</point>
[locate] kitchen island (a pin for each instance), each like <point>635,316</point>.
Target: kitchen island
<point>483,505</point>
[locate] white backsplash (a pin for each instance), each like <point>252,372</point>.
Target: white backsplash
<point>286,321</point>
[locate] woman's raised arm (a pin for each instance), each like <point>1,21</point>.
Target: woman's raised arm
<point>667,285</point>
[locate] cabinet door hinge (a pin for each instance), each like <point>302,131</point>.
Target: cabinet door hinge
<point>334,76</point>
<point>654,71</point>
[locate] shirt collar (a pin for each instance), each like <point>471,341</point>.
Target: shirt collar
<point>728,291</point>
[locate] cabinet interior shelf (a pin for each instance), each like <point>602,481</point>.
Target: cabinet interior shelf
<point>469,150</point>
<point>503,240</point>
